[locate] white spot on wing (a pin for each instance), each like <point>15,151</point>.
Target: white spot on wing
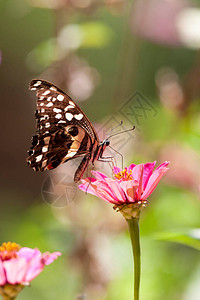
<point>45,149</point>
<point>41,104</point>
<point>38,158</point>
<point>46,93</point>
<point>58,116</point>
<point>49,98</point>
<point>61,121</point>
<point>37,83</point>
<point>60,97</point>
<point>44,163</point>
<point>53,88</point>
<point>41,98</point>
<point>42,110</point>
<point>71,103</point>
<point>68,106</point>
<point>69,116</point>
<point>47,125</point>
<point>57,110</point>
<point>49,104</point>
<point>76,144</point>
<point>70,154</point>
<point>78,117</point>
<point>33,88</point>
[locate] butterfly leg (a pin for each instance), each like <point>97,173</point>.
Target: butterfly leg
<point>122,158</point>
<point>109,159</point>
<point>106,159</point>
<point>81,169</point>
<point>89,182</point>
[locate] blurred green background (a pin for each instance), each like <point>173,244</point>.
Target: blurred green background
<point>136,61</point>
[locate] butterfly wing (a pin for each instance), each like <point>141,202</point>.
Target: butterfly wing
<point>63,130</point>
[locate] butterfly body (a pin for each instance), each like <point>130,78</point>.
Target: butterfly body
<point>63,131</point>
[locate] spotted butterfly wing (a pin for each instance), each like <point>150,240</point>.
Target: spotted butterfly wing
<point>63,131</point>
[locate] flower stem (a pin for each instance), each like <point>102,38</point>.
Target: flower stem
<point>133,224</point>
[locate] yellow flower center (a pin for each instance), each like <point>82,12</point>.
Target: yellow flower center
<point>9,250</point>
<point>124,175</point>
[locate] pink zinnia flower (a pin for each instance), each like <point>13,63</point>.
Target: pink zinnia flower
<point>21,265</point>
<point>132,185</point>
<point>128,192</point>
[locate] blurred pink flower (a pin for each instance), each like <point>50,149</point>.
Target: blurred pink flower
<point>20,266</point>
<point>156,20</point>
<point>185,175</point>
<point>133,184</point>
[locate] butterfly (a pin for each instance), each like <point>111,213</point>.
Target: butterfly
<point>63,132</point>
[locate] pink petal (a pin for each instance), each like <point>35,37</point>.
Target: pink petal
<point>28,253</point>
<point>99,189</point>
<point>37,264</point>
<point>136,172</point>
<point>129,187</point>
<point>148,169</point>
<point>2,274</point>
<point>117,190</point>
<point>35,267</point>
<point>28,264</point>
<point>154,180</point>
<point>116,170</point>
<point>85,186</point>
<point>99,175</point>
<point>15,270</point>
<point>140,187</point>
<point>48,258</point>
<point>104,191</point>
<point>165,164</point>
<point>130,168</point>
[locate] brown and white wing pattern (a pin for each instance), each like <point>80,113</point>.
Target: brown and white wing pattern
<point>63,130</point>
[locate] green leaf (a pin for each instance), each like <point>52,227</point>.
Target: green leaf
<point>189,238</point>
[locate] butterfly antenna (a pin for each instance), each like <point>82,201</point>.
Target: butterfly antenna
<point>127,130</point>
<point>115,127</point>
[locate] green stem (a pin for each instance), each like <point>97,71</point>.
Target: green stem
<point>133,224</point>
